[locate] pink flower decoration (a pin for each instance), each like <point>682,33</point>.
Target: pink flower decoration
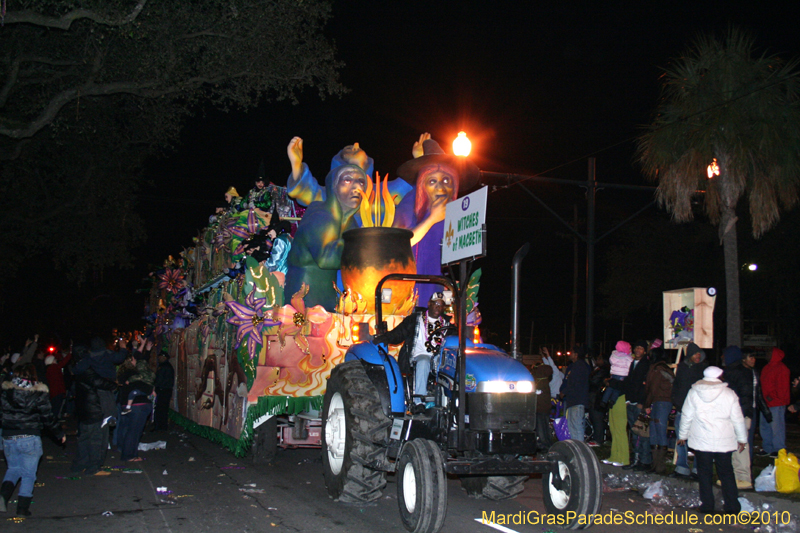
<point>171,280</point>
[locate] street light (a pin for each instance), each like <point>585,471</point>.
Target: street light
<point>462,145</point>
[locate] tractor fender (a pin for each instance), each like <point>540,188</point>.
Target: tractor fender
<point>384,372</point>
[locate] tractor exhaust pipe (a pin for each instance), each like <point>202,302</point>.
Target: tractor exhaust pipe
<point>515,267</point>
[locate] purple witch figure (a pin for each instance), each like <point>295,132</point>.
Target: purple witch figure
<point>437,177</point>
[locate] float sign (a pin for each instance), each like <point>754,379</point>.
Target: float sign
<point>463,227</point>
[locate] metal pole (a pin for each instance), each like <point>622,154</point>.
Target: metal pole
<point>462,349</point>
<point>590,242</point>
<point>515,268</point>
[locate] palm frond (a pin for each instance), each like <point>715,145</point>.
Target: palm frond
<point>722,100</point>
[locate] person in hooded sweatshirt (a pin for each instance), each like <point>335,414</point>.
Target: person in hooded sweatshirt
<point>775,386</point>
<point>713,426</point>
<point>744,379</point>
<point>689,371</point>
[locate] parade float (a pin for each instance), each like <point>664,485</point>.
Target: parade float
<point>247,351</point>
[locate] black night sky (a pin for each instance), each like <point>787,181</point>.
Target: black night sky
<point>537,86</point>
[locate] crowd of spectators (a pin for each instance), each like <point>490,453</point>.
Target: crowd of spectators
<point>107,390</point>
<point>716,410</point>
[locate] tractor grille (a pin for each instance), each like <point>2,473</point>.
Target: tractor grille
<point>501,411</point>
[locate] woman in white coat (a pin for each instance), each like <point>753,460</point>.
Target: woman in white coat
<point>713,423</point>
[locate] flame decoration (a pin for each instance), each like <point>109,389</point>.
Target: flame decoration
<point>371,203</point>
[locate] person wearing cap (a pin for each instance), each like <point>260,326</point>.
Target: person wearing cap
<point>635,387</point>
<point>776,387</point>
<point>713,426</point>
<point>422,333</point>
<point>437,178</point>
<point>744,379</point>
<point>689,371</point>
<point>259,196</point>
<point>233,200</point>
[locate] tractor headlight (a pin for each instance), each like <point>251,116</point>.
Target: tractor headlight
<point>505,386</point>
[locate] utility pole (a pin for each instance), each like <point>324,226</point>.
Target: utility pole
<point>504,180</point>
<point>591,189</point>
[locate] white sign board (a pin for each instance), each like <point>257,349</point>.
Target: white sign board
<point>463,227</point>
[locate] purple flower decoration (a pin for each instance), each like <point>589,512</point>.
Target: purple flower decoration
<point>250,320</point>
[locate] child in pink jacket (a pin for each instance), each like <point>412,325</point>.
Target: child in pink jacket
<point>620,363</point>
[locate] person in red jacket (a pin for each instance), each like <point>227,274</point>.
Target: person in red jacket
<point>775,388</point>
<point>55,381</point>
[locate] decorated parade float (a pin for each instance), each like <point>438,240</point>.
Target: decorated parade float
<point>268,321</point>
<point>264,303</point>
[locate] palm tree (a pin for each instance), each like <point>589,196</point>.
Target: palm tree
<point>721,102</point>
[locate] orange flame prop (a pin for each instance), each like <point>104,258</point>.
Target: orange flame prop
<point>371,203</point>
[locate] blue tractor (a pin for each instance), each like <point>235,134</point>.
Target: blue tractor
<point>479,425</point>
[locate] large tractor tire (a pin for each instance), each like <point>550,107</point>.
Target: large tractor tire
<point>421,487</point>
<point>578,488</point>
<point>493,487</point>
<point>354,435</point>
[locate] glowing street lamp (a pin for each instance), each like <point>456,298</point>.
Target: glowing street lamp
<point>752,267</point>
<point>462,145</point>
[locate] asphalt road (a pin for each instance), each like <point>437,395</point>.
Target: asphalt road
<point>211,490</point>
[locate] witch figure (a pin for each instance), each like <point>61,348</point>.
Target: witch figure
<point>437,178</point>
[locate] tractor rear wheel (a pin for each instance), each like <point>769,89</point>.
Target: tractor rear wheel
<point>354,436</point>
<point>493,487</point>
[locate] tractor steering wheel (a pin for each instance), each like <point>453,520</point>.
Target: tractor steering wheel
<point>445,329</point>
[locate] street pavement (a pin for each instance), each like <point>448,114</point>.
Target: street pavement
<point>206,488</point>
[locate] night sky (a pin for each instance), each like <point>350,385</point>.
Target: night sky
<point>537,86</point>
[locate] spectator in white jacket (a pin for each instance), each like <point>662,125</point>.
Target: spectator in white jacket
<point>558,375</point>
<point>713,423</point>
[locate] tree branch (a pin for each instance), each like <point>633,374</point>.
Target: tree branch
<point>13,72</point>
<point>136,88</point>
<point>65,21</point>
<point>204,33</point>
